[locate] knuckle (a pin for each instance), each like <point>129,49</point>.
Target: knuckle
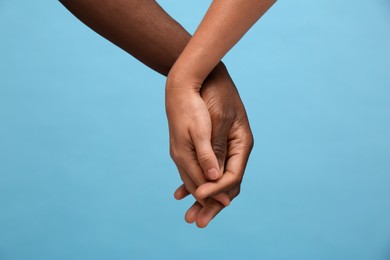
<point>175,154</point>
<point>249,140</point>
<point>219,114</point>
<point>204,158</point>
<point>219,147</point>
<point>220,111</point>
<point>172,153</point>
<point>236,192</point>
<point>237,180</point>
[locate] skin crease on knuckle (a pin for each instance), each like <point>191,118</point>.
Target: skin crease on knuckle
<point>177,155</point>
<point>173,152</point>
<point>183,154</point>
<point>220,148</point>
<point>221,109</point>
<point>205,158</point>
<point>248,140</point>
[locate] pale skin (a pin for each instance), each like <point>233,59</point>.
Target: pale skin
<point>209,130</point>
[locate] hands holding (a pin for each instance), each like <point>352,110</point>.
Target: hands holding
<point>210,141</point>
<point>210,137</point>
<point>217,143</point>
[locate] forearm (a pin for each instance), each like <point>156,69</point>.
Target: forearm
<point>225,22</point>
<point>141,28</point>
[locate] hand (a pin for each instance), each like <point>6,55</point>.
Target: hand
<point>232,143</point>
<point>190,137</point>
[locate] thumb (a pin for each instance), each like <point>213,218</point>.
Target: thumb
<point>206,157</point>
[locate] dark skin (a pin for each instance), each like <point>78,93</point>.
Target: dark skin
<point>147,32</point>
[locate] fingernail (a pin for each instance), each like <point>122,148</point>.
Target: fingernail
<point>226,202</point>
<point>213,174</point>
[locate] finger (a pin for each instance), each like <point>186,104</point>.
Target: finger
<point>219,141</point>
<point>192,212</point>
<point>181,192</point>
<point>209,189</point>
<point>235,167</point>
<point>222,198</point>
<point>208,212</point>
<point>188,183</point>
<point>195,170</point>
<point>212,208</point>
<point>205,154</point>
<point>190,187</point>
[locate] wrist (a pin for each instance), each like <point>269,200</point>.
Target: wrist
<point>179,77</point>
<point>219,73</point>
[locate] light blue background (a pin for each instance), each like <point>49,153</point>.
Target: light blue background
<point>84,165</point>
